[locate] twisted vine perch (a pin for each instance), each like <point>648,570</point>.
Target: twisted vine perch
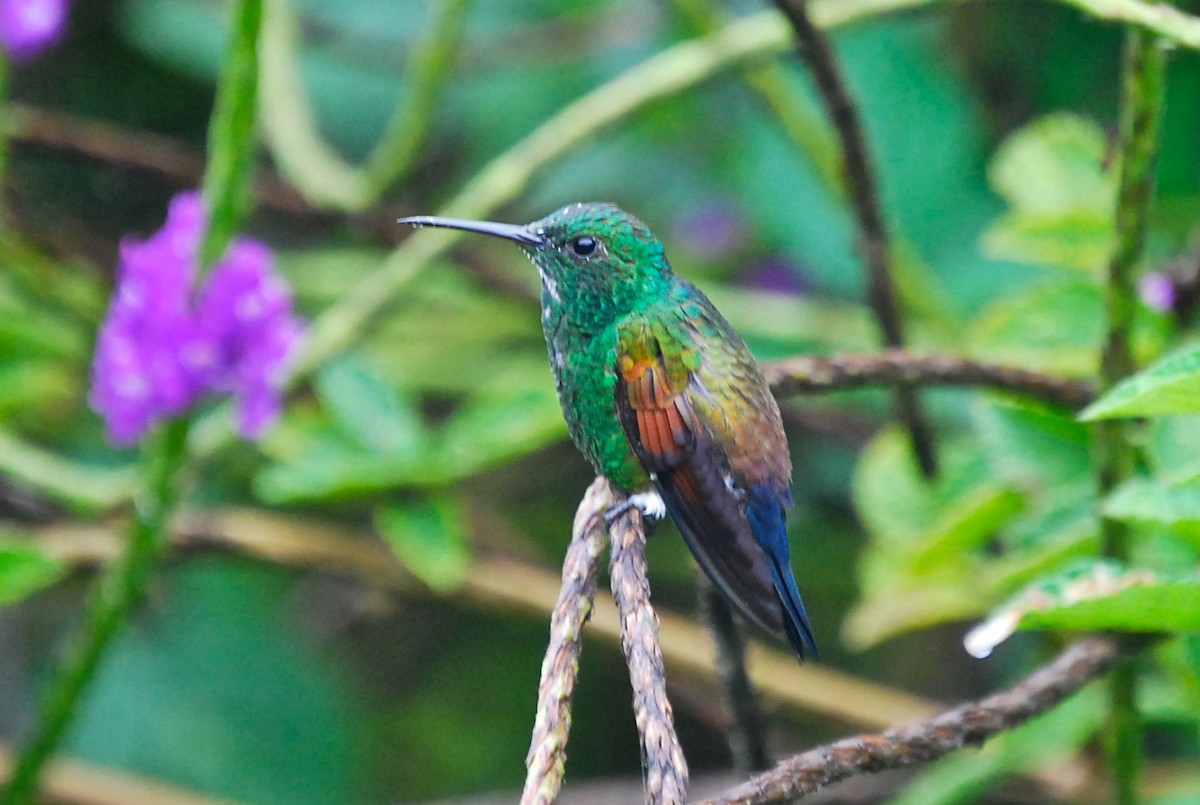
<point>663,764</point>
<point>662,756</point>
<point>548,748</point>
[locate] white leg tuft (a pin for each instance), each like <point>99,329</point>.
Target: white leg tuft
<point>650,504</point>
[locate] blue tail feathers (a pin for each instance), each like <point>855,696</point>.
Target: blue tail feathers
<point>765,511</point>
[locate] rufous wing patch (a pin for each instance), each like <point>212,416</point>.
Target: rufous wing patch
<point>658,420</point>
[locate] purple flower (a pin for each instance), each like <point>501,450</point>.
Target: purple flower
<point>1157,291</point>
<point>27,27</point>
<point>163,347</point>
<point>710,231</point>
<point>776,274</point>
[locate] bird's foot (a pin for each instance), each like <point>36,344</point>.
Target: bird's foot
<point>650,504</point>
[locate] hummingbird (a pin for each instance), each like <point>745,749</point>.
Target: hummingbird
<point>665,400</point>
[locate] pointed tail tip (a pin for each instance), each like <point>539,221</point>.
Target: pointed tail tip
<point>800,636</point>
<point>796,625</point>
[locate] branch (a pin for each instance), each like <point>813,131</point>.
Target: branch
<point>947,732</point>
<point>547,756</point>
<point>747,737</point>
<point>817,52</point>
<point>496,584</point>
<point>664,767</point>
<point>131,148</point>
<point>812,375</point>
<point>69,781</point>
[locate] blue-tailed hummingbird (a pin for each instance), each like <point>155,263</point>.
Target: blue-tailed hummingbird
<point>664,399</point>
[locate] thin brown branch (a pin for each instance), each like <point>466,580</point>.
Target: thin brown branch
<point>547,756</point>
<point>816,50</point>
<point>129,148</point>
<point>663,763</point>
<point>811,375</point>
<point>103,142</point>
<point>967,724</point>
<point>747,738</point>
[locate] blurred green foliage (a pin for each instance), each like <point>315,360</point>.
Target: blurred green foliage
<point>990,125</point>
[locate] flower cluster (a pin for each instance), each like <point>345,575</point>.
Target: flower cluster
<point>27,27</point>
<point>163,345</point>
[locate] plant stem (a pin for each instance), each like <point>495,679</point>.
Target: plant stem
<point>1124,733</point>
<point>323,176</point>
<point>747,737</point>
<point>1142,82</point>
<point>231,134</point>
<point>427,70</point>
<point>817,52</point>
<point>109,608</point>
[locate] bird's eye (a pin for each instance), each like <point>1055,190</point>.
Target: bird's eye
<point>584,246</point>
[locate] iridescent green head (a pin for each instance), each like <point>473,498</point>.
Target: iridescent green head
<point>597,262</point>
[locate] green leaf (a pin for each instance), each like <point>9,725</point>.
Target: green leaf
<point>1061,509</point>
<point>501,423</point>
<point>1150,500</point>
<point>82,487</point>
<point>1091,596</point>
<point>24,570</point>
<point>1059,528</point>
<point>1170,386</point>
<point>1060,199</point>
<point>1147,605</point>
<point>1174,448</point>
<point>329,467</point>
<point>369,409</point>
<point>920,567</point>
<point>1031,445</point>
<point>901,509</point>
<point>1180,663</point>
<point>231,133</point>
<point>512,415</point>
<point>1054,166</point>
<point>1050,326</point>
<point>429,538</point>
<point>1079,240</point>
<point>912,603</point>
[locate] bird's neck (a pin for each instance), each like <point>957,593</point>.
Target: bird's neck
<point>575,312</point>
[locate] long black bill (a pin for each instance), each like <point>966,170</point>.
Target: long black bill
<point>517,234</point>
